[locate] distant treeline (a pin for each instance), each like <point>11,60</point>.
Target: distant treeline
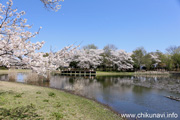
<point>170,60</point>
<point>112,59</point>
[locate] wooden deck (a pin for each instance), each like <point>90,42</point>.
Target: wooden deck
<point>78,73</point>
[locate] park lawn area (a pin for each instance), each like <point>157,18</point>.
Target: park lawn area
<point>102,73</point>
<point>20,101</point>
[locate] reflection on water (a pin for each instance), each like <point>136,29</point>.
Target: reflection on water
<point>169,83</point>
<point>125,94</point>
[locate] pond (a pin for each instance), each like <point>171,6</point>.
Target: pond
<point>124,94</point>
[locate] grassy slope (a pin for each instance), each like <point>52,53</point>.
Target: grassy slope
<point>19,101</point>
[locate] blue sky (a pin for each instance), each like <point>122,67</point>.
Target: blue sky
<point>128,24</point>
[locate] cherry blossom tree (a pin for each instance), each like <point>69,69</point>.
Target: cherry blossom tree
<point>14,36</point>
<point>16,46</point>
<point>87,58</point>
<point>155,59</point>
<point>121,60</point>
<point>93,58</point>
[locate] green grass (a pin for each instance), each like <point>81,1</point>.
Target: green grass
<point>102,73</point>
<point>19,101</point>
<point>23,112</point>
<point>52,94</point>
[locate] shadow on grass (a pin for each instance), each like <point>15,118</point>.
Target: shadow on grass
<point>7,92</point>
<point>24,112</point>
<point>51,94</point>
<point>57,115</point>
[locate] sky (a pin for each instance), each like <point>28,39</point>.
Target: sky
<point>128,24</point>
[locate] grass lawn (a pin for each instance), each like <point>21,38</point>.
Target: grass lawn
<point>102,73</point>
<point>20,101</point>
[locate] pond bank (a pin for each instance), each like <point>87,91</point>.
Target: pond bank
<point>103,73</point>
<point>22,101</point>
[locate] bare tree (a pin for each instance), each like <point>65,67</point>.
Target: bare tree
<point>173,49</point>
<point>90,46</point>
<point>52,4</point>
<point>108,48</point>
